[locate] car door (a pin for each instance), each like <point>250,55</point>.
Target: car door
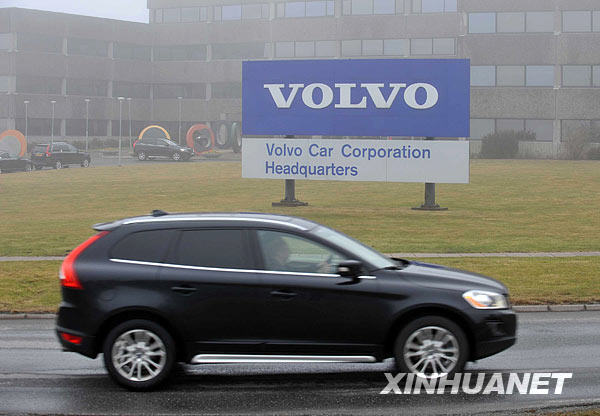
<point>73,155</point>
<point>164,147</point>
<point>212,287</point>
<point>308,308</point>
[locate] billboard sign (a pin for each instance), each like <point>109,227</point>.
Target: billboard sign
<point>385,97</point>
<point>441,161</point>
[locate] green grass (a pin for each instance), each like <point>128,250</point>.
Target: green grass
<point>510,205</point>
<point>34,286</point>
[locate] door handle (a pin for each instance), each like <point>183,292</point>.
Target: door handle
<point>184,290</point>
<point>283,294</point>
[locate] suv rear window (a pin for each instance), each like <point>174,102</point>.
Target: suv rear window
<point>214,248</point>
<point>143,246</point>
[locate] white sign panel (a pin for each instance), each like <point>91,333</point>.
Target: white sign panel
<point>435,161</point>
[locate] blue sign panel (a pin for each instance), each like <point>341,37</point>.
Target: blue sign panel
<point>386,97</point>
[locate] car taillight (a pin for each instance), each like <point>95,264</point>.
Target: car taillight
<point>48,151</point>
<point>68,276</point>
<point>134,143</point>
<point>73,339</point>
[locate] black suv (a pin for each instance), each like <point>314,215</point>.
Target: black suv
<point>9,163</point>
<point>235,287</point>
<point>58,155</point>
<point>150,147</point>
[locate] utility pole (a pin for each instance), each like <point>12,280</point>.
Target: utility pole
<point>87,122</point>
<point>26,102</point>
<point>120,125</point>
<point>179,134</point>
<point>129,102</point>
<point>52,124</point>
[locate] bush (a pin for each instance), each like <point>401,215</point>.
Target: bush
<point>504,144</point>
<point>594,153</point>
<point>575,143</point>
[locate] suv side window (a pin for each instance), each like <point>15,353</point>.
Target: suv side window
<point>226,249</point>
<point>71,148</point>
<point>148,246</point>
<point>290,253</point>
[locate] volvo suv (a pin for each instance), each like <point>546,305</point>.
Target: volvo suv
<point>150,291</point>
<point>58,155</point>
<point>147,148</point>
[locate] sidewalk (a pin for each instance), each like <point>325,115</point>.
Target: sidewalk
<point>400,255</point>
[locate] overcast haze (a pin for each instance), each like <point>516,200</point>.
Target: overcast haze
<point>132,10</point>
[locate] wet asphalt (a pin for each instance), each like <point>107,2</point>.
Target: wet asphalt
<point>36,377</point>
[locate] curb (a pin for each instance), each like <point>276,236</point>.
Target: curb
<point>517,308</point>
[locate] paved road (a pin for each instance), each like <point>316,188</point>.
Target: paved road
<point>36,377</point>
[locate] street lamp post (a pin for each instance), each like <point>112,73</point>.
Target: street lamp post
<point>87,123</point>
<point>52,124</point>
<point>120,125</point>
<point>179,134</point>
<point>26,102</point>
<point>129,102</point>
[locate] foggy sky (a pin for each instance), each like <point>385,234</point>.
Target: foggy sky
<point>132,10</point>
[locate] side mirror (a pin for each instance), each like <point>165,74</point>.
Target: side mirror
<point>349,268</point>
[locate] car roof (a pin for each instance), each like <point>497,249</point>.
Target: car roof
<point>246,218</point>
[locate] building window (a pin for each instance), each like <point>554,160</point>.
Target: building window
<point>180,53</point>
<point>130,51</point>
<point>191,90</point>
<point>511,22</point>
<point>351,48</point>
<point>328,48</point>
<point>39,43</point>
<point>284,49</point>
<point>543,129</point>
<point>131,89</point>
<point>539,76</point>
<point>540,22</point>
<point>372,47</point>
<point>481,127</point>
<point>250,50</point>
<point>421,46</point>
<point>482,22</point>
<point>194,14</point>
<point>38,126</point>
<point>87,47</point>
<point>88,87</point>
<point>158,16</point>
<point>226,90</point>
<point>305,8</point>
<point>384,7</point>
<point>483,76</point>
<point>39,85</point>
<point>233,12</point>
<point>238,11</point>
<point>576,75</point>
<point>4,83</point>
<point>5,41</point>
<point>444,46</point>
<point>395,47</point>
<point>434,6</point>
<point>76,127</point>
<point>576,21</point>
<point>510,76</point>
<point>596,21</point>
<point>596,75</point>
<point>510,124</point>
<point>171,15</point>
<point>305,49</point>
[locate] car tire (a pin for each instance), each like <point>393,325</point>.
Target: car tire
<point>431,346</point>
<point>58,164</point>
<point>85,163</point>
<point>139,354</point>
<point>142,156</point>
<point>176,156</point>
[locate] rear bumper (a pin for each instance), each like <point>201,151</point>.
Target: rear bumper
<point>86,347</point>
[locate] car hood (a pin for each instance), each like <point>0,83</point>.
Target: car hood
<point>442,277</point>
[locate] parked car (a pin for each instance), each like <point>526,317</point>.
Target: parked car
<point>153,290</point>
<point>58,155</point>
<point>9,163</point>
<point>151,147</point>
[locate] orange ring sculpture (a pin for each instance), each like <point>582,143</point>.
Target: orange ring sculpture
<point>19,136</point>
<point>189,137</point>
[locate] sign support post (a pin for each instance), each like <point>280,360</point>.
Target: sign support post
<point>289,198</point>
<point>429,204</point>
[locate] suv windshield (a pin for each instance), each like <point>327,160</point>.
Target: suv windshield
<point>364,252</point>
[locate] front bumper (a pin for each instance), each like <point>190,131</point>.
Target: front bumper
<point>495,332</point>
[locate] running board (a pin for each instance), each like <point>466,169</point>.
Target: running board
<point>251,358</point>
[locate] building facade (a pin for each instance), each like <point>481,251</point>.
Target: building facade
<point>535,64</point>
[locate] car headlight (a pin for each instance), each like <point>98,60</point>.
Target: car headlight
<point>481,299</point>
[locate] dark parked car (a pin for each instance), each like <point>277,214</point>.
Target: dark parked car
<point>150,148</point>
<point>58,155</point>
<point>9,163</point>
<point>228,288</point>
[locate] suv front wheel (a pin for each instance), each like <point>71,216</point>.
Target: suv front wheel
<point>139,354</point>
<point>431,347</point>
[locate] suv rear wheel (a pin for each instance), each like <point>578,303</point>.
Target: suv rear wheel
<point>139,354</point>
<point>431,346</point>
<point>142,156</point>
<point>58,165</point>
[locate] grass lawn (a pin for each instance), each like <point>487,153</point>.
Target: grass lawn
<point>510,205</point>
<point>34,286</point>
